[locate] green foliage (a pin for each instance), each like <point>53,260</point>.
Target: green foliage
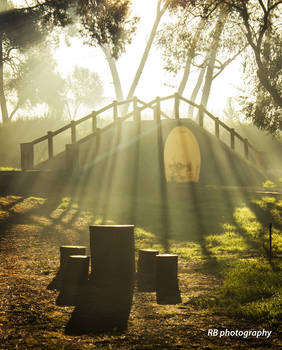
<point>20,27</point>
<point>253,289</point>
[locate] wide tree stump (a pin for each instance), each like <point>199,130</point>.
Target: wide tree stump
<point>167,288</point>
<point>106,301</point>
<point>112,254</point>
<point>74,280</point>
<point>146,270</point>
<point>65,252</point>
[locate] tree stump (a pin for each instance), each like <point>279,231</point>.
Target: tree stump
<point>65,252</point>
<point>146,270</point>
<point>106,301</point>
<point>112,254</point>
<point>167,289</point>
<point>74,279</point>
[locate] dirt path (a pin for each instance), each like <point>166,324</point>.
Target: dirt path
<point>29,318</point>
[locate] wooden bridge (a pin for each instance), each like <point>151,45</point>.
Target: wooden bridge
<point>134,111</point>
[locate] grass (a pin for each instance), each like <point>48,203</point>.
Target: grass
<point>9,169</point>
<point>253,289</point>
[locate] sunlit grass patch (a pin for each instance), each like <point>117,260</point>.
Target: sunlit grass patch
<point>226,243</point>
<point>247,220</point>
<point>268,184</point>
<point>145,239</point>
<point>186,250</point>
<point>265,202</point>
<point>66,203</point>
<point>28,204</point>
<point>252,289</point>
<point>7,200</point>
<point>4,214</point>
<point>268,309</point>
<point>3,168</point>
<point>41,220</point>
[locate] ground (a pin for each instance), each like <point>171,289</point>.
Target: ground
<point>31,231</point>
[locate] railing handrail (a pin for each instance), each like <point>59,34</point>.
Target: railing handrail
<point>136,114</point>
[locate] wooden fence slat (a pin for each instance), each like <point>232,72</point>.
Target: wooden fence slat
<point>176,106</point>
<point>94,122</point>
<point>232,139</point>
<point>115,110</point>
<point>157,110</point>
<point>201,116</point>
<point>50,145</point>
<point>246,148</point>
<point>216,126</point>
<point>73,132</point>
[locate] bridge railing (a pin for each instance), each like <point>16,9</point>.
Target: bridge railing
<point>137,107</point>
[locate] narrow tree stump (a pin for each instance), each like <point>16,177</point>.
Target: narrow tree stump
<point>146,270</point>
<point>112,254</point>
<point>74,279</point>
<point>106,301</point>
<point>65,252</point>
<point>166,279</point>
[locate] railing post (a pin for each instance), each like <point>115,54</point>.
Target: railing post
<point>94,122</point>
<point>176,106</point>
<point>27,156</point>
<point>216,127</point>
<point>201,116</point>
<point>50,144</point>
<point>246,148</point>
<point>115,110</point>
<point>73,132</point>
<point>232,139</point>
<point>135,108</point>
<point>157,110</point>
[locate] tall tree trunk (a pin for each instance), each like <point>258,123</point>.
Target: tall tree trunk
<point>3,102</point>
<point>160,12</point>
<point>196,91</point>
<point>212,57</point>
<point>190,56</point>
<point>114,71</point>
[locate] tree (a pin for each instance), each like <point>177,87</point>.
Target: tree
<point>162,6</point>
<point>84,88</point>
<point>18,29</point>
<point>259,23</point>
<point>36,82</point>
<point>100,22</point>
<point>194,40</point>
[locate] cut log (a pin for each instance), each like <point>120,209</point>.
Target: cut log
<point>167,288</point>
<point>74,280</point>
<point>112,254</point>
<point>65,252</point>
<point>146,270</point>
